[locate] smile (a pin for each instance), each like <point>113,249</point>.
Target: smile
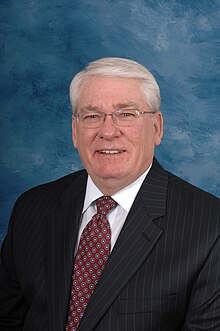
<point>110,151</point>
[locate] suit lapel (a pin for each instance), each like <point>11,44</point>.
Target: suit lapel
<point>136,240</point>
<point>63,230</point>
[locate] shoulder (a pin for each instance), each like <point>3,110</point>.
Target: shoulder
<point>190,211</point>
<point>58,185</point>
<point>180,185</point>
<point>175,184</point>
<point>198,210</point>
<point>184,194</point>
<point>49,193</point>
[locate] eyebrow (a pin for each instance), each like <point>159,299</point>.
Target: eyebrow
<point>125,105</point>
<point>116,106</point>
<point>89,108</point>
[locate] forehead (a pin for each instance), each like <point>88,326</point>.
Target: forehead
<point>101,91</point>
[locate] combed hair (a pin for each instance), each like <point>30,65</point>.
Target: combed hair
<point>121,68</point>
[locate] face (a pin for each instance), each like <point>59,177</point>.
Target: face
<point>116,156</point>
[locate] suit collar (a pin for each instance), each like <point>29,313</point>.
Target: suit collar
<point>75,188</point>
<point>154,190</point>
<point>62,235</point>
<point>137,238</point>
<point>136,241</point>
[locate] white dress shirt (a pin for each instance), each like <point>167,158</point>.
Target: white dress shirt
<point>117,216</point>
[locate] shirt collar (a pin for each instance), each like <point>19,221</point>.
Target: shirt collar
<point>92,193</point>
<point>124,197</point>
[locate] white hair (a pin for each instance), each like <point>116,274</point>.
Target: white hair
<point>121,68</point>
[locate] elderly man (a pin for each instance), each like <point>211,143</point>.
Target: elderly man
<point>123,245</point>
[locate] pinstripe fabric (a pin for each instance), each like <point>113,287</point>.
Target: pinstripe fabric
<point>163,273</point>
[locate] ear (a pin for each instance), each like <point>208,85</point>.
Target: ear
<point>74,133</point>
<point>158,128</point>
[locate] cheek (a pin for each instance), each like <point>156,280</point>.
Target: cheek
<point>145,144</point>
<point>139,138</point>
<point>83,141</point>
<point>133,135</point>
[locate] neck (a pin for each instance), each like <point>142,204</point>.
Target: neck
<point>111,186</point>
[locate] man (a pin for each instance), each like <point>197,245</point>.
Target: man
<point>159,266</point>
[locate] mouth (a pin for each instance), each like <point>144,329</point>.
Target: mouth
<point>110,151</point>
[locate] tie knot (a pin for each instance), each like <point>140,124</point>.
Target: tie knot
<point>105,204</point>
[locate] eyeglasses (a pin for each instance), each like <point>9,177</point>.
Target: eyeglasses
<point>122,117</point>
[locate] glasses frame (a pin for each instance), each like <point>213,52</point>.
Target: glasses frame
<point>114,118</point>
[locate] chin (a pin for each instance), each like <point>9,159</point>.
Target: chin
<point>109,174</point>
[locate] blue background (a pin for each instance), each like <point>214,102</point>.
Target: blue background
<point>45,42</point>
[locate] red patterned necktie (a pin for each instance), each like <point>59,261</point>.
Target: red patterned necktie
<point>93,251</point>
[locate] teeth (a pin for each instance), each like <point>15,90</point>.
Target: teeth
<point>110,151</point>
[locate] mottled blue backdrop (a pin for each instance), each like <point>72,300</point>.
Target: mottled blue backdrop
<point>45,42</point>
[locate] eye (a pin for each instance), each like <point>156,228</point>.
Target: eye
<point>126,114</point>
<point>91,117</point>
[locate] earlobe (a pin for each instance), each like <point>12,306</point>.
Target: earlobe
<point>158,125</point>
<point>74,136</point>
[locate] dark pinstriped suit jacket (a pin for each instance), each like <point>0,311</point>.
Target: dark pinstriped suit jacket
<point>163,273</point>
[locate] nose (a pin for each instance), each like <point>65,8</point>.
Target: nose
<point>109,129</point>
